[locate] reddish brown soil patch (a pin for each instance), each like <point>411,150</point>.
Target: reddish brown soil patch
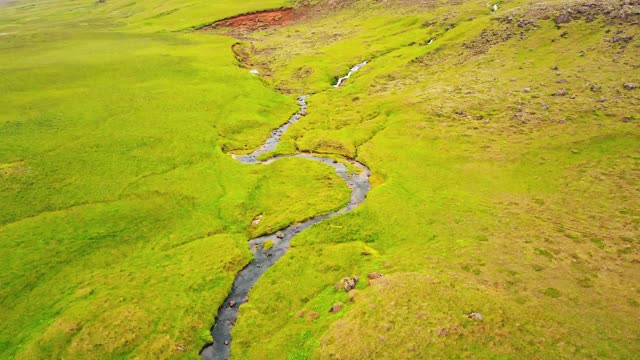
<point>258,20</point>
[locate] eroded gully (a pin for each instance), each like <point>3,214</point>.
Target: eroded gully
<point>263,259</point>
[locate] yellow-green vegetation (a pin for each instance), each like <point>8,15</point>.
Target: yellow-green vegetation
<point>505,157</point>
<point>267,245</point>
<point>122,222</point>
<point>495,192</point>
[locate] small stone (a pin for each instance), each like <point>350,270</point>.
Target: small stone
<point>443,332</point>
<point>573,96</point>
<point>279,234</point>
<point>561,121</point>
<point>554,68</point>
<point>545,107</point>
<point>626,119</point>
<point>254,72</point>
<point>562,19</point>
<point>347,283</point>
<point>513,79</point>
<point>336,307</point>
<point>561,92</point>
<point>526,90</point>
<point>630,86</point>
<point>561,81</point>
<point>180,348</point>
<point>232,303</point>
<point>226,342</point>
<point>475,316</point>
<point>602,99</point>
<point>595,88</point>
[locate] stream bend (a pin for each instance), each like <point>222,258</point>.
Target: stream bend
<point>262,260</point>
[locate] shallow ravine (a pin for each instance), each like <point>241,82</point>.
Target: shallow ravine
<point>263,259</point>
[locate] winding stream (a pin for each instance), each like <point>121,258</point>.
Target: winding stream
<point>220,349</point>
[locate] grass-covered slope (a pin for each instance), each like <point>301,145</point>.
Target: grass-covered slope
<point>505,156</point>
<point>122,223</point>
<point>506,160</point>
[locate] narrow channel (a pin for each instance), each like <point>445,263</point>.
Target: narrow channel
<point>263,259</point>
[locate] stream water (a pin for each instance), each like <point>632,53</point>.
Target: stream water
<point>353,69</point>
<point>263,259</point>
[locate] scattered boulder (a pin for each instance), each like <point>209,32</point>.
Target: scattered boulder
<point>617,39</point>
<point>232,303</point>
<point>180,348</point>
<point>626,119</point>
<point>602,99</point>
<point>475,316</point>
<point>545,107</point>
<point>554,68</point>
<point>226,342</point>
<point>348,283</point>
<point>595,88</point>
<point>561,92</point>
<point>630,86</point>
<point>336,307</point>
<point>562,19</point>
<point>279,234</point>
<point>526,90</point>
<point>562,81</point>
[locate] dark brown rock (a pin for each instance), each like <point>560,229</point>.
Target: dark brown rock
<point>562,19</point>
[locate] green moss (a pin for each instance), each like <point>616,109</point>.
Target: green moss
<point>552,293</point>
<point>267,245</point>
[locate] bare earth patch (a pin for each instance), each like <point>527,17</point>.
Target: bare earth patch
<point>258,20</point>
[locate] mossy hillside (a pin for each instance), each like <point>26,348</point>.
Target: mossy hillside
<point>493,193</point>
<point>121,15</point>
<point>123,222</point>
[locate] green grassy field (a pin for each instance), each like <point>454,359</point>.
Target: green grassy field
<point>124,222</point>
